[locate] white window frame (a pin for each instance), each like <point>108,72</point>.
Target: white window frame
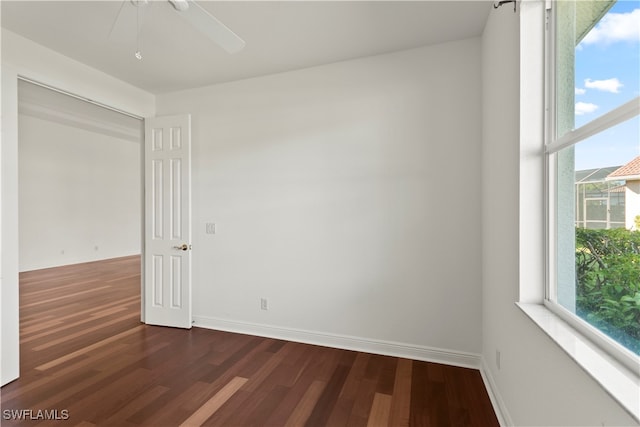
<point>617,380</point>
<point>608,120</point>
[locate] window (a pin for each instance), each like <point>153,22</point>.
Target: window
<point>593,171</point>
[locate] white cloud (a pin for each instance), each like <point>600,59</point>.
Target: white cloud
<point>580,91</point>
<point>616,27</point>
<point>585,108</point>
<point>610,85</point>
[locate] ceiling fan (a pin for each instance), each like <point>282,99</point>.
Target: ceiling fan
<point>200,19</point>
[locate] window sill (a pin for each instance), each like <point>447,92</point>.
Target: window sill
<point>621,383</point>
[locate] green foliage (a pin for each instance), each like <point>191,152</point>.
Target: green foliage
<point>608,282</point>
<point>637,221</point>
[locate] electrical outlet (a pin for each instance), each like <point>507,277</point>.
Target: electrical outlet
<point>498,359</point>
<point>264,304</point>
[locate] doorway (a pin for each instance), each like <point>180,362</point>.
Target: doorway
<point>80,183</point>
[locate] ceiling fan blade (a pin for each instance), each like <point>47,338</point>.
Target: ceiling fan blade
<point>211,27</point>
<point>115,21</point>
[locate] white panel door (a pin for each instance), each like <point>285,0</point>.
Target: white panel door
<point>167,254</point>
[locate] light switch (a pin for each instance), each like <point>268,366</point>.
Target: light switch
<point>210,227</point>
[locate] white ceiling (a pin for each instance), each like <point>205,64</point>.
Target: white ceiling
<point>279,36</point>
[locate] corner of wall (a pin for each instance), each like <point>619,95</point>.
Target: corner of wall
<point>499,406</point>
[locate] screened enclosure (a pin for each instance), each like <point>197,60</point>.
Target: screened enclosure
<point>600,203</point>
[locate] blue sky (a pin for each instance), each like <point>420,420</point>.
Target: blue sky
<point>608,75</point>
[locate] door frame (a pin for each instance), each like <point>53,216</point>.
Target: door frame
<point>9,237</point>
<point>142,172</point>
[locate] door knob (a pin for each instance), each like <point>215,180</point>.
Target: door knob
<point>183,247</point>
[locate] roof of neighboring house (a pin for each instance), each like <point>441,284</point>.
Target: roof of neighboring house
<point>630,171</point>
<point>594,175</point>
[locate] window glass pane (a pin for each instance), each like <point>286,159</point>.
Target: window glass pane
<point>608,61</point>
<point>598,241</point>
<point>597,59</point>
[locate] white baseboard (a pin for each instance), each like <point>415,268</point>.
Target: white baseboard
<point>387,348</point>
<point>499,406</point>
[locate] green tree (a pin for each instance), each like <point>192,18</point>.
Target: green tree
<point>608,282</point>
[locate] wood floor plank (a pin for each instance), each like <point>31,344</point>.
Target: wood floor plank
<point>29,335</point>
<point>356,374</point>
<point>362,405</point>
<point>169,409</point>
<point>401,401</point>
<point>52,291</point>
<point>213,404</point>
<point>259,415</point>
<point>303,409</point>
<point>83,349</point>
<point>133,406</point>
<point>59,392</point>
<point>380,411</point>
<point>39,326</point>
<point>37,320</point>
<point>420,410</point>
<point>99,402</point>
<point>57,299</point>
<point>85,331</point>
<point>267,368</point>
<point>322,411</point>
<point>305,372</point>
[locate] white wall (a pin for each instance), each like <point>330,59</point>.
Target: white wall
<point>79,195</point>
<point>347,194</point>
<point>21,57</point>
<point>632,203</point>
<point>537,383</point>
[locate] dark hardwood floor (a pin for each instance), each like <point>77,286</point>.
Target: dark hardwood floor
<point>87,360</point>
